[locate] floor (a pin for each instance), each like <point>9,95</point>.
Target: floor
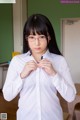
<point>8,107</point>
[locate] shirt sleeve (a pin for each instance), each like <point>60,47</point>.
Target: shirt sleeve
<point>13,83</point>
<point>63,82</point>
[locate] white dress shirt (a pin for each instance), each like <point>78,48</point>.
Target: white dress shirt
<point>38,92</point>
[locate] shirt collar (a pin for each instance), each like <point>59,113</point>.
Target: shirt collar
<point>45,55</point>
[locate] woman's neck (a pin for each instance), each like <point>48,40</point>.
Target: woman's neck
<point>37,56</point>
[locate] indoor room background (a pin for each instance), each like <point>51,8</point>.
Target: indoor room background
<point>13,17</point>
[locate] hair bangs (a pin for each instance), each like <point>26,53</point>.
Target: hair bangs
<point>36,27</point>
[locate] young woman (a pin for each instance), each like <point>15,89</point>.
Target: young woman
<point>39,73</point>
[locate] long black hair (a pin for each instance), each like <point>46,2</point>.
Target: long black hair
<point>38,23</point>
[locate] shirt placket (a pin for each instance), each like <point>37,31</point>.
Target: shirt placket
<point>38,93</point>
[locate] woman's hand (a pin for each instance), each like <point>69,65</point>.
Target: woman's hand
<point>47,66</point>
<point>28,68</point>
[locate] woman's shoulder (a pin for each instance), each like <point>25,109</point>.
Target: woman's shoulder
<point>59,60</point>
<point>56,56</point>
<point>20,57</point>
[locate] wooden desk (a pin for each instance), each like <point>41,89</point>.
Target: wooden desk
<point>9,107</point>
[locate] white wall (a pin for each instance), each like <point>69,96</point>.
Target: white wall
<point>71,46</point>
